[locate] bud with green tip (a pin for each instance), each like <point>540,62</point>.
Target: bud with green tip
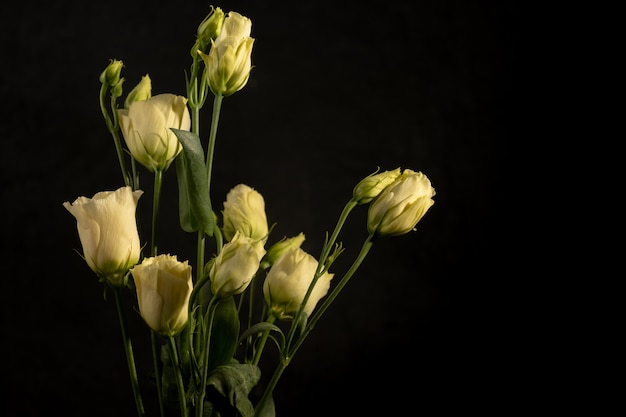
<point>279,248</point>
<point>141,92</point>
<point>111,74</point>
<point>208,30</point>
<point>228,63</point>
<point>401,205</point>
<point>371,186</point>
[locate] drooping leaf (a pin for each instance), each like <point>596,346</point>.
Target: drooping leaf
<point>193,187</point>
<point>234,382</point>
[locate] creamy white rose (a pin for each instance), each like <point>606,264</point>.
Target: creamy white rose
<point>107,229</point>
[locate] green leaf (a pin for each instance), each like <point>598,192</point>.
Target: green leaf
<point>234,382</point>
<point>224,334</point>
<point>259,328</point>
<point>193,186</point>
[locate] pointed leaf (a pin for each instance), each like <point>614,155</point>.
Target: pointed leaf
<point>194,198</point>
<point>224,334</point>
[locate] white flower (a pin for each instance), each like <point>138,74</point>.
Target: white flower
<point>107,229</point>
<point>163,289</point>
<point>146,127</point>
<point>288,281</point>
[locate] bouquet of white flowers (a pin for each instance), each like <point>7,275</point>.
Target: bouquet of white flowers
<point>209,330</point>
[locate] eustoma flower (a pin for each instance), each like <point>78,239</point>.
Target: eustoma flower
<point>163,289</point>
<point>235,266</point>
<point>288,281</point>
<point>107,229</point>
<point>146,128</point>
<point>371,186</point>
<point>229,61</point>
<point>244,211</point>
<point>401,205</point>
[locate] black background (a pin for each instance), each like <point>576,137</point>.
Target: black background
<point>337,91</point>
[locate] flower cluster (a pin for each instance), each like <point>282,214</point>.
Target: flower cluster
<point>207,342</point>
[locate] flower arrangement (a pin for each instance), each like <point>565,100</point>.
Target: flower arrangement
<point>208,336</point>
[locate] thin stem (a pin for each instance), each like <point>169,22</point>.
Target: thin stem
<point>112,126</point>
<point>367,245</point>
<point>205,359</point>
<point>156,354</point>
<point>158,180</point>
<point>259,350</point>
<point>179,377</point>
<point>291,350</point>
<point>328,245</point>
<point>217,105</point>
<point>128,347</point>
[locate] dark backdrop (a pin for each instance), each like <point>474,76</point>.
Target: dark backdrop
<point>337,90</point>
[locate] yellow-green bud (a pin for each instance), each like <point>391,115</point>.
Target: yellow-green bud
<point>401,205</point>
<point>288,281</point>
<point>209,29</point>
<point>141,92</point>
<point>244,211</point>
<point>371,186</point>
<point>235,266</point>
<point>111,74</point>
<point>228,63</point>
<point>279,248</point>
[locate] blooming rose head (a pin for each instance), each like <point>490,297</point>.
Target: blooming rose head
<point>244,211</point>
<point>146,128</point>
<point>235,266</point>
<point>163,289</point>
<point>401,205</point>
<point>229,61</point>
<point>107,229</point>
<point>288,281</point>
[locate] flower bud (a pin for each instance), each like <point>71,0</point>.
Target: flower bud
<point>401,205</point>
<point>141,92</point>
<point>244,211</point>
<point>107,229</point>
<point>288,281</point>
<point>111,74</point>
<point>279,248</point>
<point>208,30</point>
<point>235,266</point>
<point>163,289</point>
<point>146,129</point>
<point>229,62</point>
<point>371,186</point>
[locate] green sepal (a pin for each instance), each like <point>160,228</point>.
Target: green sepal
<point>194,201</point>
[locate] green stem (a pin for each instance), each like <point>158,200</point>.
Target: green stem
<point>158,180</point>
<point>205,360</point>
<point>291,350</point>
<point>112,126</point>
<point>179,377</point>
<point>328,245</point>
<point>156,355</point>
<point>217,105</point>
<point>257,354</point>
<point>128,347</point>
<point>367,245</point>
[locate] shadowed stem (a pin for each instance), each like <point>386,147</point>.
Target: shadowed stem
<point>128,348</point>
